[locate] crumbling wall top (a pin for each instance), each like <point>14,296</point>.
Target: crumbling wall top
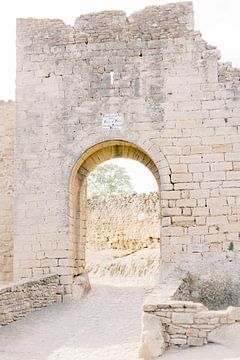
<point>228,74</point>
<point>153,22</point>
<point>166,16</point>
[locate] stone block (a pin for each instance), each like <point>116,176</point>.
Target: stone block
<point>178,341</point>
<point>182,318</point>
<point>195,341</point>
<point>192,332</point>
<point>152,339</point>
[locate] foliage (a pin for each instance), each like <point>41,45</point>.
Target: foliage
<point>108,180</point>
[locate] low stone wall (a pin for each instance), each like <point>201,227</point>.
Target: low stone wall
<point>124,222</point>
<point>168,322</point>
<point>19,299</point>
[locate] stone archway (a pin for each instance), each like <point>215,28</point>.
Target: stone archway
<point>94,156</point>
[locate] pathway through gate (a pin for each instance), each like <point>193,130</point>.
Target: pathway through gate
<point>105,325</point>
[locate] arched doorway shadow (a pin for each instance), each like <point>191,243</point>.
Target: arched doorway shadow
<point>89,160</point>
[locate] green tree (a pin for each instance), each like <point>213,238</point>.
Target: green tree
<point>108,180</point>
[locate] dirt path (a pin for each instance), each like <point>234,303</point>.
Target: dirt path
<point>105,325</point>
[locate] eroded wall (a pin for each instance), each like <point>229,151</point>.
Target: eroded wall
<point>177,103</point>
<point>130,221</point>
<point>7,123</point>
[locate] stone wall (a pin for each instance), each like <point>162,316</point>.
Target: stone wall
<point>190,324</point>
<point>19,299</point>
<point>179,110</point>
<point>7,124</point>
<point>124,222</point>
<point>180,323</point>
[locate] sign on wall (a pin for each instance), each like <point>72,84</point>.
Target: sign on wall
<point>113,121</point>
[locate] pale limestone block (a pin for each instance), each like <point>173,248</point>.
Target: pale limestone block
<point>197,177</point>
<point>200,194</point>
<point>152,339</point>
<point>191,203</point>
<point>182,318</point>
<point>197,230</point>
<point>198,168</point>
<point>179,168</point>
<point>186,186</point>
<point>195,341</point>
<point>217,220</point>
<point>190,159</point>
<point>181,178</point>
<point>214,176</point>
<point>170,195</point>
<point>178,340</point>
<point>192,332</point>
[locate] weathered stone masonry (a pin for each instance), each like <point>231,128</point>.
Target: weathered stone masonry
<point>23,297</point>
<point>127,221</point>
<point>180,109</point>
<point>7,124</point>
<point>180,323</point>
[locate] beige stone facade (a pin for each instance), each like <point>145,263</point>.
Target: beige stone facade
<point>7,120</point>
<point>146,87</point>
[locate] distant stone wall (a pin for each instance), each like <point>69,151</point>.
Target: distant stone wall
<point>21,298</point>
<point>7,121</point>
<point>124,222</point>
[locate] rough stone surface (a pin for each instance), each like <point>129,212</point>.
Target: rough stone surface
<point>126,222</point>
<point>152,343</point>
<point>19,299</point>
<point>178,113</point>
<point>7,125</point>
<point>185,323</point>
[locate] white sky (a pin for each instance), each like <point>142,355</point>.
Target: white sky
<point>218,21</point>
<point>142,179</point>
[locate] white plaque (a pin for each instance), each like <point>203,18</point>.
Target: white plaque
<point>112,121</point>
<point>141,216</point>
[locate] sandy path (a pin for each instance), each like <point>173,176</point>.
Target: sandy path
<point>105,325</point>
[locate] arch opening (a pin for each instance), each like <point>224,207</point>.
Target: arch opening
<point>93,157</point>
